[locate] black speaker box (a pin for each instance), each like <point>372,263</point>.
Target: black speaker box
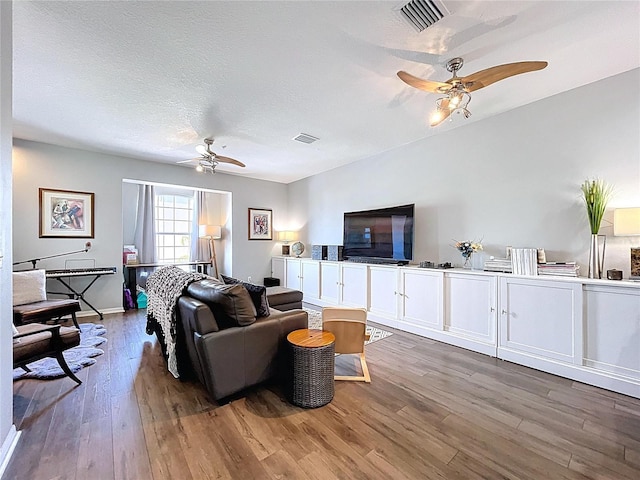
<point>271,282</point>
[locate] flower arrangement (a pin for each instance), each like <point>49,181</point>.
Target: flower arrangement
<point>596,196</point>
<point>467,248</point>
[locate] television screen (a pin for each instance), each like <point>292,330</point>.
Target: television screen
<point>385,233</point>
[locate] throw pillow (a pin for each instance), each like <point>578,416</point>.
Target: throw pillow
<point>231,304</point>
<point>29,287</point>
<point>258,295</point>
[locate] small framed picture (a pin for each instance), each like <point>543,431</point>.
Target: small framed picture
<point>260,226</point>
<point>65,213</point>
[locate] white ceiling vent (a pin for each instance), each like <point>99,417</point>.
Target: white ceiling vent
<point>421,14</point>
<point>305,138</point>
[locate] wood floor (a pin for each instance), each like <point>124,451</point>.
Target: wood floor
<point>431,411</point>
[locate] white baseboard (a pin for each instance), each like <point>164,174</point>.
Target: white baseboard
<point>105,311</point>
<point>8,446</point>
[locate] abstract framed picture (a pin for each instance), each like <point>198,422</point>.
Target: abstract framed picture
<point>65,213</point>
<point>260,224</point>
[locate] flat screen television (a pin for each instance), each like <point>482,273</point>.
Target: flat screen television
<point>384,234</point>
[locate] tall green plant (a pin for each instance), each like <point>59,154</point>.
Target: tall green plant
<point>596,196</point>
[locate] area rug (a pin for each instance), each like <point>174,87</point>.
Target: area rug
<point>91,335</point>
<point>375,334</point>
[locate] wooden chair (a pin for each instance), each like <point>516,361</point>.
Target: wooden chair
<point>36,341</point>
<point>349,325</point>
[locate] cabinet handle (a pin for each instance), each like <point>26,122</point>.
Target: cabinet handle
<point>493,309</point>
<point>395,293</point>
<point>504,312</point>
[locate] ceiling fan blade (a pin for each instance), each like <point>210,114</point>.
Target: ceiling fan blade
<point>486,77</point>
<point>426,85</point>
<point>221,159</point>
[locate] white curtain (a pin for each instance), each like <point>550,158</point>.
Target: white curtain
<point>200,249</point>
<point>145,233</point>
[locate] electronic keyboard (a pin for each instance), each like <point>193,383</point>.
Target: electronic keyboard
<point>80,272</point>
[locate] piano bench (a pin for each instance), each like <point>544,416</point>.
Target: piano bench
<point>45,310</point>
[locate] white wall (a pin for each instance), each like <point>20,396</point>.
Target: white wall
<point>38,165</point>
<point>7,429</point>
<point>513,179</point>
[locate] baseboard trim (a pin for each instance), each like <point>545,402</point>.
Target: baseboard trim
<point>8,447</point>
<point>105,311</point>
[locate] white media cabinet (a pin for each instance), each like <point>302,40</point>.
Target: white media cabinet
<point>583,329</point>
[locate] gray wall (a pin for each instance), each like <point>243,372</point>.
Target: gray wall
<point>38,165</point>
<point>513,179</point>
<point>7,430</point>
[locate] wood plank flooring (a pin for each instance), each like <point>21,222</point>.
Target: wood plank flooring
<point>432,411</point>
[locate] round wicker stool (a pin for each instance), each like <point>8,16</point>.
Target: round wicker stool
<point>313,362</point>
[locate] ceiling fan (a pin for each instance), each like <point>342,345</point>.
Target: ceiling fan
<point>457,90</point>
<point>208,161</point>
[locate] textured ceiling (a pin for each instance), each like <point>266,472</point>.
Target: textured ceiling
<point>150,80</point>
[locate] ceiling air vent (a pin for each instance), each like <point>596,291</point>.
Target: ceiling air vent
<point>421,14</point>
<point>305,138</point>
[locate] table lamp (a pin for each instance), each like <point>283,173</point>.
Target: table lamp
<point>285,237</point>
<point>212,232</point>
<point>626,222</point>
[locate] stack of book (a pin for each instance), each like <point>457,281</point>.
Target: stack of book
<point>498,265</point>
<point>565,269</point>
<point>524,261</point>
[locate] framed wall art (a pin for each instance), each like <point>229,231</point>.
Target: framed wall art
<point>65,213</point>
<point>260,224</point>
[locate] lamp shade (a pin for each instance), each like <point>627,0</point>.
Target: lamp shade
<point>213,231</point>
<point>286,236</point>
<point>626,221</point>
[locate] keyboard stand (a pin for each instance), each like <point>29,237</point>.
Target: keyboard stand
<point>79,295</point>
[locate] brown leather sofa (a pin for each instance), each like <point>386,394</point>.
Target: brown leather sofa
<point>228,355</point>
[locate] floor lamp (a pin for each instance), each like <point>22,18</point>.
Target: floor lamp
<point>212,232</point>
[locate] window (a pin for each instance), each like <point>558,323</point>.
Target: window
<point>174,214</point>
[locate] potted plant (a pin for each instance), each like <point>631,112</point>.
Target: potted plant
<point>596,194</point>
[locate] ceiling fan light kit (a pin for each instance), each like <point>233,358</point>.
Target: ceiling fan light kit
<point>457,90</point>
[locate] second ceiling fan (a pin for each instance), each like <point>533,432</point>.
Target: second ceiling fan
<point>457,90</point>
<point>208,161</point>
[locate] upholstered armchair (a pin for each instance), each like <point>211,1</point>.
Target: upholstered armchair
<point>36,341</point>
<point>30,303</point>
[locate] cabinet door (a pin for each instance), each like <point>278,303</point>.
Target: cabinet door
<point>383,295</point>
<point>354,285</point>
<point>540,318</point>
<point>470,307</point>
<point>293,277</point>
<point>612,331</point>
<point>329,283</point>
<point>310,274</point>
<point>420,300</point>
<point>278,269</point>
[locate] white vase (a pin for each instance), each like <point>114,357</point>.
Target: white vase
<point>477,261</point>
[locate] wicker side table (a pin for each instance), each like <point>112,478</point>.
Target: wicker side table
<point>313,366</point>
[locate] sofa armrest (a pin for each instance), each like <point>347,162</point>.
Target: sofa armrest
<point>197,316</point>
<point>237,357</point>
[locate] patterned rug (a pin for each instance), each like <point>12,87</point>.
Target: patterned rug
<point>315,322</point>
<point>76,357</point>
